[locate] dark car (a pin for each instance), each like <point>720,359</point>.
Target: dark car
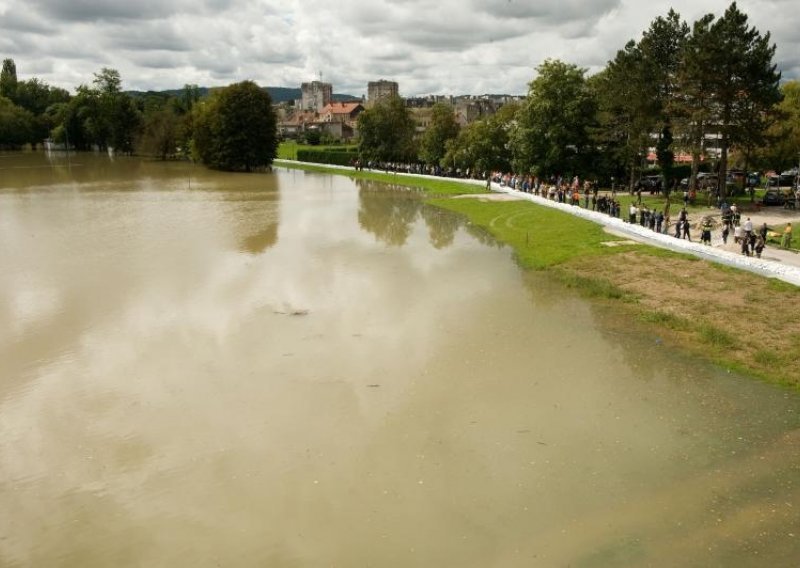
<point>774,197</point>
<point>652,183</point>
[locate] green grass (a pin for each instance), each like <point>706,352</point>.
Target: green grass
<point>593,287</point>
<point>769,358</point>
<point>717,337</point>
<point>541,237</point>
<point>433,187</point>
<point>665,319</point>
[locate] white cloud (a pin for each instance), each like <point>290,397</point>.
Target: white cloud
<point>428,46</point>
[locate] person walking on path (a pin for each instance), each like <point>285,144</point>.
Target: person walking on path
<point>686,234</point>
<point>786,241</point>
<point>705,237</point>
<point>748,228</point>
<point>763,230</point>
<point>735,215</point>
<point>760,243</point>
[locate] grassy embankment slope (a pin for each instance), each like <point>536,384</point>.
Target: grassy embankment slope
<point>736,319</point>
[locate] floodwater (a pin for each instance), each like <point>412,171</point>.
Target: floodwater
<point>289,370</point>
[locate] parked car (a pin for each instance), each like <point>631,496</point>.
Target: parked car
<point>774,197</point>
<point>651,183</point>
<point>704,181</point>
<point>707,181</point>
<point>786,179</point>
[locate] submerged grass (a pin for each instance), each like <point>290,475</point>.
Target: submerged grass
<point>665,319</point>
<point>688,301</point>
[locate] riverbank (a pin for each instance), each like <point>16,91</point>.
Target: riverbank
<point>739,320</point>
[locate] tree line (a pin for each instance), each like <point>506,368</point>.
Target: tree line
<point>234,128</point>
<point>679,88</point>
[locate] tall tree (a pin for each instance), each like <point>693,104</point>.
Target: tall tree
<point>744,82</point>
<point>386,132</point>
<point>483,146</point>
<point>160,133</point>
<point>692,106</point>
<point>8,79</point>
<point>781,148</point>
<point>15,125</point>
<point>443,128</point>
<point>236,130</point>
<point>661,46</point>
<point>551,136</point>
<point>625,117</point>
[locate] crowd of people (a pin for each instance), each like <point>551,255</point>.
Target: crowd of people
<point>586,194</point>
<point>560,190</point>
<point>751,241</point>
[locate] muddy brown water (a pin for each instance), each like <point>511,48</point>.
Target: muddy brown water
<point>206,369</point>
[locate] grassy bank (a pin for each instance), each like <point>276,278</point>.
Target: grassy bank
<point>433,187</point>
<point>733,318</point>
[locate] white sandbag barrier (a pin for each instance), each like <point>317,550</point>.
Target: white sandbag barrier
<point>769,268</point>
<point>763,267</point>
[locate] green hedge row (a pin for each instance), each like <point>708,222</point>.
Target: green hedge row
<point>337,156</point>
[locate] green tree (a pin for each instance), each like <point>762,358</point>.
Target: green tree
<point>781,148</point>
<point>160,133</point>
<point>443,128</point>
<point>8,79</point>
<point>386,132</point>
<point>552,132</point>
<point>624,115</point>
<point>189,97</point>
<point>483,146</point>
<point>744,83</point>
<point>15,125</point>
<point>661,46</point>
<point>236,129</point>
<point>692,106</point>
<point>633,94</point>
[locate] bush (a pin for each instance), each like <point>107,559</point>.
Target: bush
<point>337,155</point>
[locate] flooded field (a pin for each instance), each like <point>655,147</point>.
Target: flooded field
<point>290,369</point>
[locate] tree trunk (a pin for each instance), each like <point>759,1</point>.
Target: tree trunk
<point>633,175</point>
<point>723,168</point>
<point>695,167</point>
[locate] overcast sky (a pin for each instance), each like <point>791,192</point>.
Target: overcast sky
<point>428,46</point>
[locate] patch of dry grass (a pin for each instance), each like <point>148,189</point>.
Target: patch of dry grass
<point>731,317</point>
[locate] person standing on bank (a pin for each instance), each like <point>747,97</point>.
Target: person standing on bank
<point>786,241</point>
<point>748,228</point>
<point>705,236</point>
<point>763,232</point>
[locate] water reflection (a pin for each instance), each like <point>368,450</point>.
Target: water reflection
<point>387,216</point>
<point>172,393</point>
<point>442,226</point>
<point>389,211</point>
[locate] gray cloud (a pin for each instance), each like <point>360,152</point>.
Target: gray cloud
<point>145,36</point>
<point>22,21</point>
<point>428,46</point>
<point>547,11</point>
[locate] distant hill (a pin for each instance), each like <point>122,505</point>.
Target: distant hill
<point>278,94</point>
